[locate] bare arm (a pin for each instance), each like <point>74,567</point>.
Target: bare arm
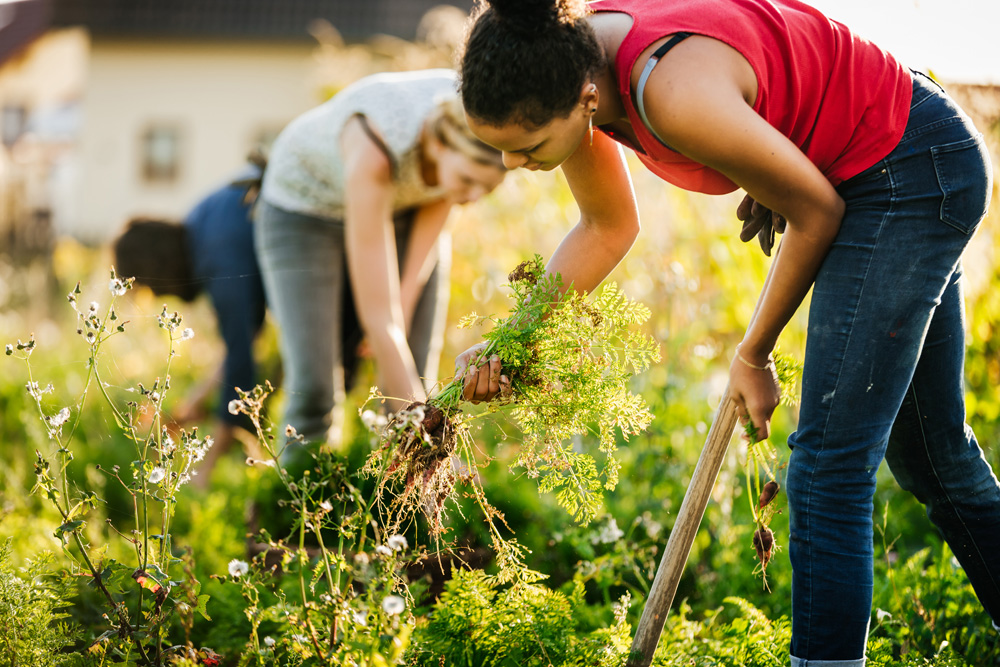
<point>609,217</point>
<point>373,265</point>
<point>421,253</point>
<point>609,223</point>
<point>700,103</point>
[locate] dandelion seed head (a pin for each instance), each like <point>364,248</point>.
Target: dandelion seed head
<point>269,641</point>
<point>393,605</point>
<point>116,286</point>
<point>237,568</point>
<point>156,475</point>
<point>373,421</point>
<point>383,550</point>
<point>60,417</point>
<point>397,542</point>
<point>187,334</point>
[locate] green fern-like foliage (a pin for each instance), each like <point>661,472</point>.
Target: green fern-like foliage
<point>477,622</point>
<point>570,359</point>
<point>32,629</point>
<point>750,639</point>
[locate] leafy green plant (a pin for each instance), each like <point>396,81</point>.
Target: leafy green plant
<point>140,596</point>
<point>479,623</point>
<point>349,603</point>
<point>33,629</point>
<point>569,361</point>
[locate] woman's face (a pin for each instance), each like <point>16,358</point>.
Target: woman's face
<point>465,180</point>
<point>543,148</point>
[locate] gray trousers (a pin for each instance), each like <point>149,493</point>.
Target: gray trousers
<point>304,268</point>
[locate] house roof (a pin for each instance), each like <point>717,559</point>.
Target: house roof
<point>20,22</point>
<point>245,19</point>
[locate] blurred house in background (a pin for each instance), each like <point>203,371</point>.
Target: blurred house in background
<point>139,107</point>
<point>30,84</point>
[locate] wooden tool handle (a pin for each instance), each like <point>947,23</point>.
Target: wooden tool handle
<point>668,574</point>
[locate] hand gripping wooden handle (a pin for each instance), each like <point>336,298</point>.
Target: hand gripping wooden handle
<point>668,574</point>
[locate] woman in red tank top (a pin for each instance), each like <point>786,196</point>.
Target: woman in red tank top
<point>878,181</point>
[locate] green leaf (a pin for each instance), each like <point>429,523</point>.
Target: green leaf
<point>202,607</point>
<point>69,527</point>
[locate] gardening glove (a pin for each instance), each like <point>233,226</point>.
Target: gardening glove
<point>759,221</point>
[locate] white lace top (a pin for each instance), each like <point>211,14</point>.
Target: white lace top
<point>305,172</point>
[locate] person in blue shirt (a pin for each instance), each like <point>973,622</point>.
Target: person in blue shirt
<point>211,252</point>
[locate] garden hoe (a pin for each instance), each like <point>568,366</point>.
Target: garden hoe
<point>675,556</point>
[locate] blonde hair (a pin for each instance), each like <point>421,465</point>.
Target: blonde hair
<point>447,123</point>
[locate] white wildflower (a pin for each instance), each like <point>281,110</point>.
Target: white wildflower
<point>269,641</point>
<point>397,542</point>
<point>383,550</point>
<point>237,567</point>
<point>361,559</point>
<point>9,349</point>
<point>326,505</point>
<point>360,618</point>
<point>882,615</point>
<point>60,417</point>
<point>156,475</point>
<point>300,639</point>
<point>116,287</point>
<point>373,421</point>
<point>234,406</point>
<point>154,396</point>
<point>187,334</point>
<point>393,605</point>
<point>91,337</point>
<point>609,534</point>
<point>94,306</point>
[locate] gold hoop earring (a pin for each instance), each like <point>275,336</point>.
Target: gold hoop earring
<point>590,127</point>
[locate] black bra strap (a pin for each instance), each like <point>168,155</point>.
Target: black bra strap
<point>674,40</point>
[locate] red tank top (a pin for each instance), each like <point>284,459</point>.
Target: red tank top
<point>842,100</point>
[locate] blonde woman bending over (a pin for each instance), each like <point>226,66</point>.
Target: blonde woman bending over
<point>350,234</point>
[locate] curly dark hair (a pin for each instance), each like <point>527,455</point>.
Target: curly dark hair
<point>526,61</point>
<point>156,254</point>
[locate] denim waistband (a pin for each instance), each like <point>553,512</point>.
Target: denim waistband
<point>930,108</point>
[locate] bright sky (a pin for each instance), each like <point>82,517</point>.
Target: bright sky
<point>959,40</point>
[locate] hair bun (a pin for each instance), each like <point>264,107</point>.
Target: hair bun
<point>536,15</point>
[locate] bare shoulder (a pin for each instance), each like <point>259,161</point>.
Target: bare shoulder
<point>698,61</point>
<point>361,150</point>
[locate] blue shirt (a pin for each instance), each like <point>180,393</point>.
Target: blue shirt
<point>220,240</point>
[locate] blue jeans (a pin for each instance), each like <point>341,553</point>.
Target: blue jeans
<point>883,378</point>
<point>309,295</point>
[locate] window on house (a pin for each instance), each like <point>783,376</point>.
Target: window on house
<point>161,153</point>
<point>13,118</point>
